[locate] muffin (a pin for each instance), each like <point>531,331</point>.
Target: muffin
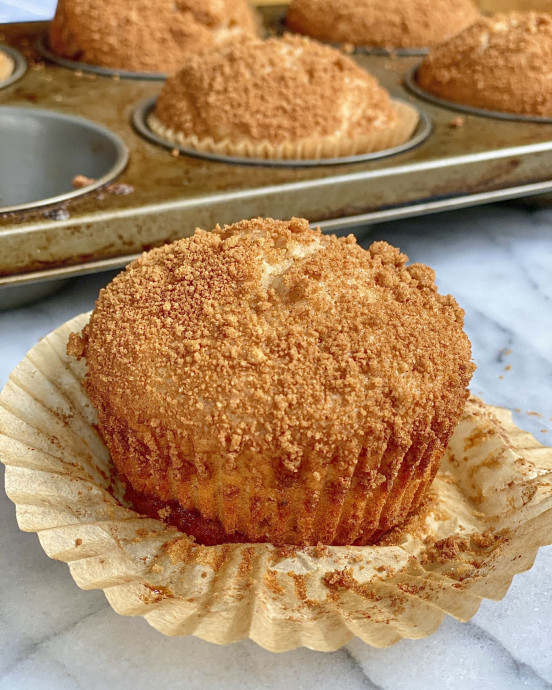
<point>266,383</point>
<point>146,35</point>
<point>499,63</point>
<point>491,6</point>
<point>6,66</point>
<point>284,98</point>
<point>381,23</point>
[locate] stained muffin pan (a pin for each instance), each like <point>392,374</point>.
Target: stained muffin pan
<point>19,66</point>
<point>143,110</point>
<point>46,151</point>
<point>162,195</point>
<point>411,83</point>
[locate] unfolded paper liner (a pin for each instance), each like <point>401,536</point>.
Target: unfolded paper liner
<point>490,510</point>
<point>306,149</point>
<point>7,65</point>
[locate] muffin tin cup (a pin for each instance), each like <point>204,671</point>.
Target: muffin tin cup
<point>411,83</point>
<point>145,108</point>
<point>43,151</point>
<point>44,49</point>
<point>489,510</point>
<point>19,65</point>
<point>357,49</point>
<point>388,52</point>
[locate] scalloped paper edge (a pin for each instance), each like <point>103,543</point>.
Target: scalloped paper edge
<point>491,512</point>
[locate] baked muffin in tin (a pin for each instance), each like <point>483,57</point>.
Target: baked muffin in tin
<point>388,24</point>
<point>284,98</point>
<point>146,35</point>
<point>6,66</point>
<point>499,63</point>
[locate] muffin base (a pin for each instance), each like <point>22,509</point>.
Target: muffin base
<point>406,498</point>
<point>190,522</point>
<point>306,149</point>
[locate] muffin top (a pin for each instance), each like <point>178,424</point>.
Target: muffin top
<point>282,89</point>
<point>269,337</point>
<point>381,23</point>
<point>146,35</point>
<point>499,63</point>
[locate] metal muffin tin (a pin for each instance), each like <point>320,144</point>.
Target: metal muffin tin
<point>411,83</point>
<point>143,110</point>
<point>481,161</point>
<point>19,65</point>
<point>44,50</point>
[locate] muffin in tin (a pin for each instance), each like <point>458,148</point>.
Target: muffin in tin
<point>500,63</point>
<point>284,98</point>
<point>145,35</point>
<point>267,383</point>
<point>6,66</point>
<point>388,24</point>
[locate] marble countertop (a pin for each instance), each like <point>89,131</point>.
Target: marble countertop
<point>497,262</point>
<point>26,10</point>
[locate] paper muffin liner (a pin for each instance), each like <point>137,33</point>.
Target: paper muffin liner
<point>489,510</point>
<point>344,502</point>
<point>306,149</point>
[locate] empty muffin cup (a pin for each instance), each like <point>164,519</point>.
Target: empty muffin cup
<point>44,151</point>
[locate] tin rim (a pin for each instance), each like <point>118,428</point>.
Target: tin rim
<point>411,83</point>
<point>358,50</point>
<point>121,158</point>
<point>143,109</point>
<point>44,49</point>
<point>19,65</point>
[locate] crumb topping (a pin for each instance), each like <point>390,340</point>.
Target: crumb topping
<point>146,36</point>
<point>499,63</point>
<point>381,23</point>
<point>282,89</point>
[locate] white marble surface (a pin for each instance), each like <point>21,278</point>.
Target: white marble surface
<point>26,10</point>
<point>498,263</point>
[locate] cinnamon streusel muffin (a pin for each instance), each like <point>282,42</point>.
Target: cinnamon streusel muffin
<point>264,382</point>
<point>281,98</point>
<point>500,63</point>
<point>146,35</point>
<point>381,23</point>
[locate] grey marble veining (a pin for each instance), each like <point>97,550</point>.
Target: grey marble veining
<point>497,262</point>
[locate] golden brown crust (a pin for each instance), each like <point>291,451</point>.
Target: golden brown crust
<point>146,36</point>
<point>499,63</point>
<point>381,23</point>
<point>282,89</point>
<point>289,385</point>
